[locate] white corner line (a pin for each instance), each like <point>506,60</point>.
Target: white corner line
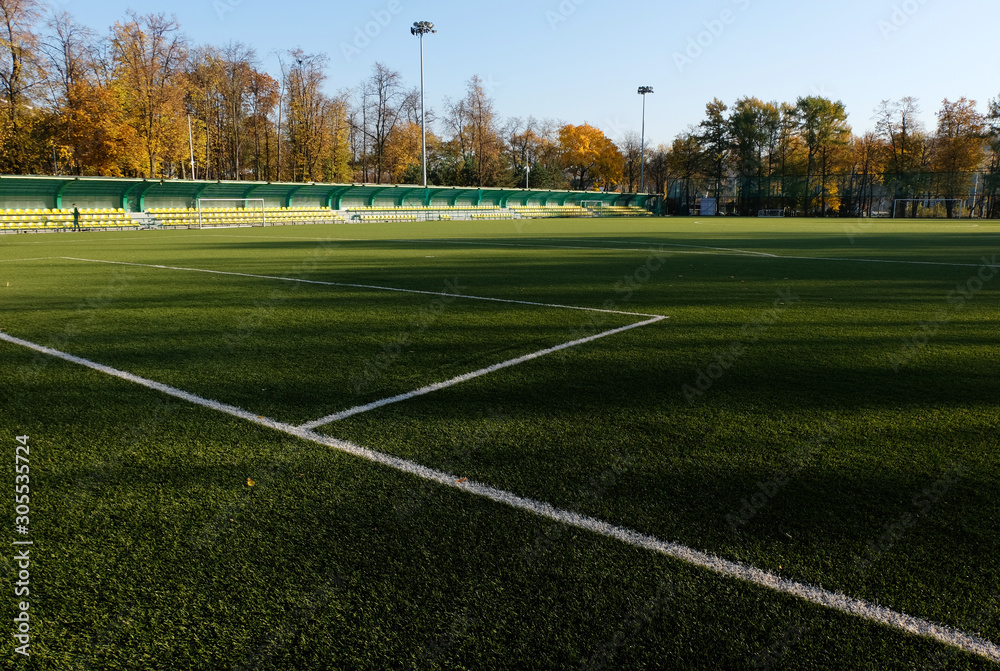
<point>437,386</point>
<point>362,286</point>
<point>967,642</point>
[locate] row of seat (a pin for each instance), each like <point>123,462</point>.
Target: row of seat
<point>622,211</point>
<point>232,216</point>
<point>421,208</point>
<point>387,217</point>
<point>56,219</point>
<point>64,210</point>
<point>542,212</point>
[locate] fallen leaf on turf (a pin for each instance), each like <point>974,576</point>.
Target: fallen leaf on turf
<point>462,480</point>
<point>250,483</point>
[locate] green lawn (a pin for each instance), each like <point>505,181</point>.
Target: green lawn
<point>822,404</point>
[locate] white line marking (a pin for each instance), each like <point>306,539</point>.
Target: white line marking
<point>365,286</point>
<point>489,243</point>
<point>816,595</point>
<point>475,241</point>
<point>677,244</point>
<point>283,237</point>
<point>483,241</point>
<point>437,386</point>
<point>166,389</point>
<point>730,250</point>
<point>40,258</point>
<point>910,263</point>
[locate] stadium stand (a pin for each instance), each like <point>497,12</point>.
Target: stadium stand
<point>40,203</point>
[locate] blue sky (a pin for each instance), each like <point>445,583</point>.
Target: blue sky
<point>582,60</point>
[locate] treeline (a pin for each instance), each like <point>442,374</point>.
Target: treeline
<point>804,157</point>
<point>140,100</point>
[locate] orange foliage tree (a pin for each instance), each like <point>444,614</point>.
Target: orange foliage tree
<point>592,158</point>
<point>150,56</point>
<point>98,133</point>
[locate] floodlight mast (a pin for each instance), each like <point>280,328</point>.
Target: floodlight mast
<point>643,90</point>
<point>421,28</point>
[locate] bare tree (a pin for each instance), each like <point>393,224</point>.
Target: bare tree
<point>658,174</point>
<point>630,145</point>
<point>262,98</point>
<point>898,125</point>
<point>238,68</point>
<point>482,125</point>
<point>384,104</point>
<point>68,48</point>
<point>305,105</point>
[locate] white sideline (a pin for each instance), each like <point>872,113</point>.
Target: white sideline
<point>728,250</point>
<point>476,241</point>
<point>677,244</point>
<point>710,250</point>
<point>816,595</point>
<point>364,286</point>
<point>357,410</point>
<point>948,264</point>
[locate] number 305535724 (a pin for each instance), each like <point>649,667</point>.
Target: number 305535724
<point>22,489</point>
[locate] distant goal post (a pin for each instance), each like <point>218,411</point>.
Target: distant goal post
<point>246,204</point>
<point>594,206</point>
<point>928,208</point>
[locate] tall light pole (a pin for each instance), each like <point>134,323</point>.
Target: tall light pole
<point>643,90</point>
<point>421,28</point>
<point>191,145</point>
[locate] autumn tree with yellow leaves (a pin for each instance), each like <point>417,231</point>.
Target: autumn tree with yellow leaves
<point>959,148</point>
<point>590,156</point>
<point>25,127</point>
<point>317,126</point>
<point>149,57</point>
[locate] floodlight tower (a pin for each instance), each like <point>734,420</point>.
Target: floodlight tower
<point>421,28</point>
<point>643,90</point>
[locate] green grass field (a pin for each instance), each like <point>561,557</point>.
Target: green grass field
<point>821,403</point>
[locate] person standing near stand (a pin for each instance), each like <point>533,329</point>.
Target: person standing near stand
<point>76,217</point>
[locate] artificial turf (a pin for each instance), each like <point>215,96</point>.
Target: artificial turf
<point>870,386</point>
